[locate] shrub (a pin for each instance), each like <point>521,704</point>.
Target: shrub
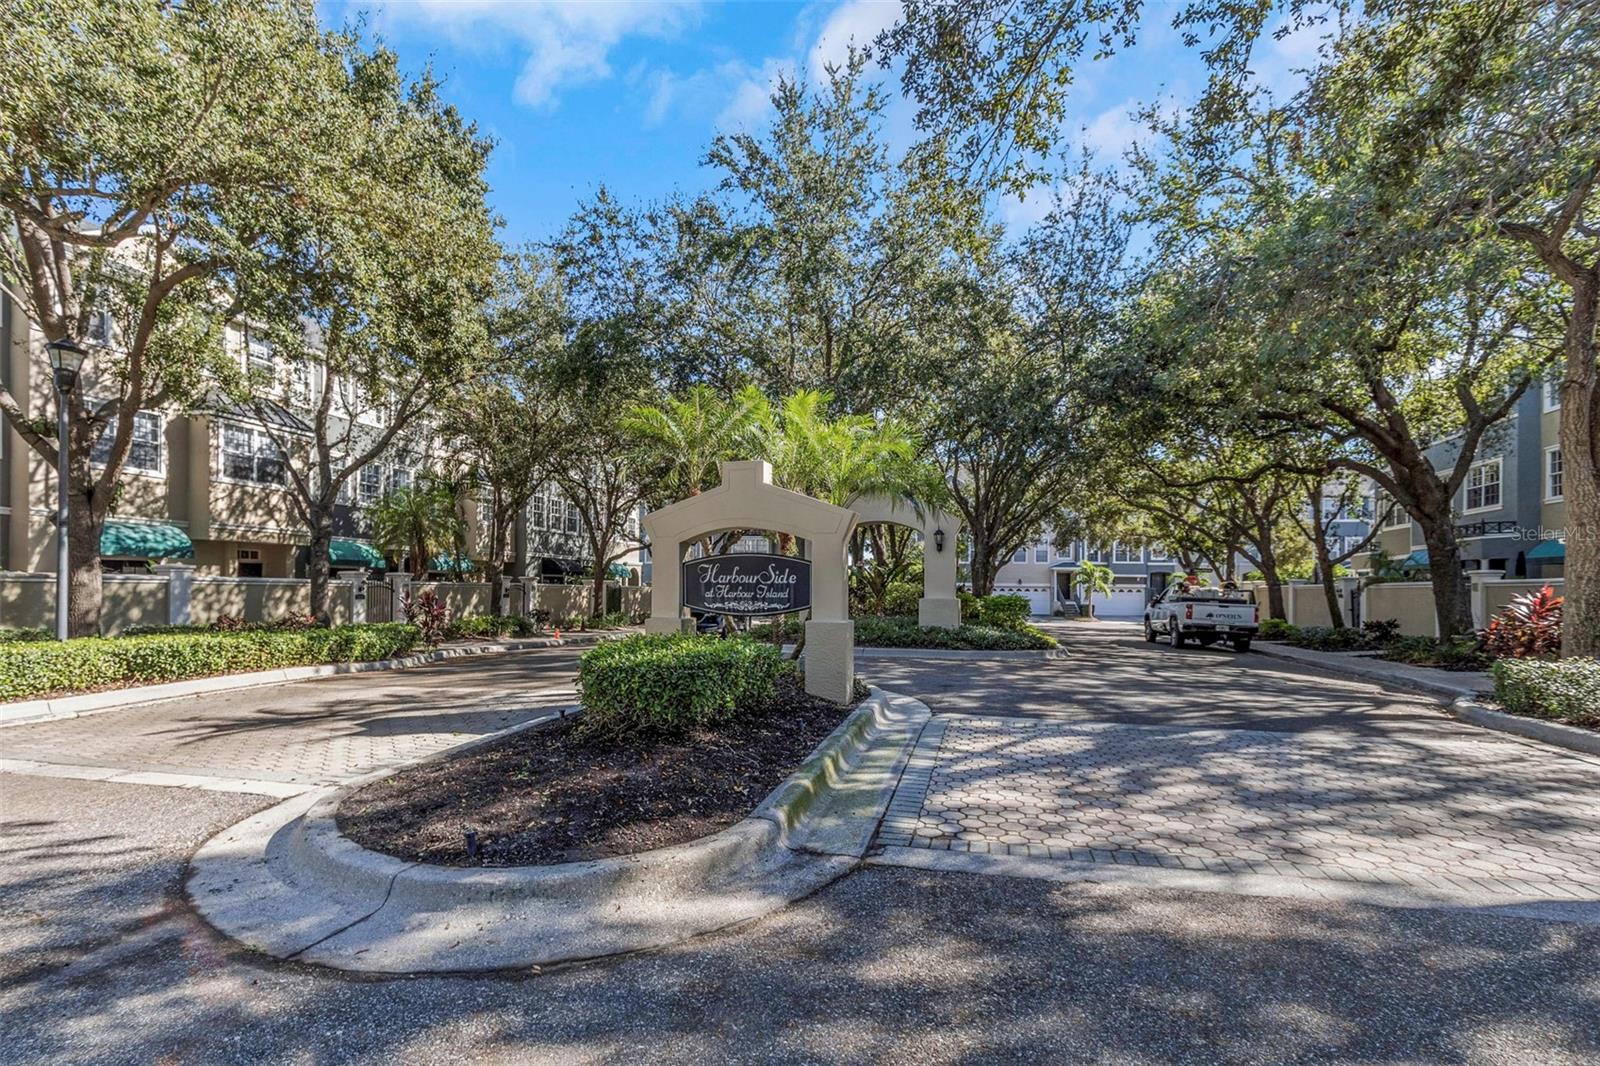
<point>902,597</point>
<point>1381,630</point>
<point>25,634</point>
<point>905,632</point>
<point>1566,689</point>
<point>1276,629</point>
<point>1529,626</point>
<point>492,626</point>
<point>661,685</point>
<point>28,670</point>
<point>1008,611</point>
<point>1464,654</point>
<point>1327,638</point>
<point>427,612</point>
<point>969,605</point>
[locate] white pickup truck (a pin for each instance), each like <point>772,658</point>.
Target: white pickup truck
<point>1204,616</point>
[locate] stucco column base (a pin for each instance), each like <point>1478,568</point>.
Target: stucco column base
<point>668,626</point>
<point>939,612</point>
<point>830,660</point>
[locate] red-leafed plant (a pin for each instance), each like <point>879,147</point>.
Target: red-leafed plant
<point>427,612</point>
<point>1529,627</point>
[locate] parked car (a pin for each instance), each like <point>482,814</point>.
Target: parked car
<point>1205,616</point>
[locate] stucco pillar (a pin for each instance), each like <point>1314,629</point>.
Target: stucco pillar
<point>180,591</point>
<point>666,611</point>
<point>399,588</point>
<point>1478,592</point>
<point>939,608</point>
<point>358,596</point>
<point>830,659</point>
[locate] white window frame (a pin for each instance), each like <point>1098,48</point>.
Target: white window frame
<point>1096,554</point>
<point>1551,393</point>
<point>259,442</point>
<point>1397,518</point>
<point>259,354</point>
<point>1041,553</point>
<point>1158,554</point>
<point>1119,549</point>
<point>1020,555</point>
<point>370,483</point>
<point>1554,480</point>
<point>101,329</point>
<point>1479,470</point>
<point>130,464</point>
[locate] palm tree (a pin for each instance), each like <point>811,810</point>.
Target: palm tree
<point>834,459</point>
<point>1092,577</point>
<point>689,435</point>
<point>421,520</point>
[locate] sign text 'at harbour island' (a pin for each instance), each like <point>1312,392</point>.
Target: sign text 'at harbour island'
<point>747,586</point>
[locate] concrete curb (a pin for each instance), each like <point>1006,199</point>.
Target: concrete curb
<point>26,712</point>
<point>287,883</point>
<point>957,654</point>
<point>1422,679</point>
<point>1557,733</point>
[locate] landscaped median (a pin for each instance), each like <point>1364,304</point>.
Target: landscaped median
<point>635,824</point>
<point>30,669</point>
<point>879,631</point>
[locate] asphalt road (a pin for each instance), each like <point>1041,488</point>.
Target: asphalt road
<point>101,961</point>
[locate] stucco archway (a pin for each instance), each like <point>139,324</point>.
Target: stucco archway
<point>747,499</point>
<point>939,606</point>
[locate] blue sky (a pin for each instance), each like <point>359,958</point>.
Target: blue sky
<point>584,93</point>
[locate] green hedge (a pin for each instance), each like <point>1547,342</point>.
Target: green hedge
<point>877,632</point>
<point>1276,629</point>
<point>492,626</point>
<point>37,669</point>
<point>1564,689</point>
<point>668,684</point>
<point>1004,611</point>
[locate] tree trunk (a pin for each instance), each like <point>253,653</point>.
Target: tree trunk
<point>1269,574</point>
<point>1330,589</point>
<point>1451,604</point>
<point>1580,476</point>
<point>598,606</point>
<point>492,570</point>
<point>318,568</point>
<point>84,589</point>
<point>980,573</point>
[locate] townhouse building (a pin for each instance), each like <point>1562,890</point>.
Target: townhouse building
<point>211,485</point>
<point>1044,572</point>
<point>1510,512</point>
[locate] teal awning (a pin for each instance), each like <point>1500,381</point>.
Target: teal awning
<point>342,552</point>
<point>1417,560</point>
<point>447,563</point>
<point>1548,551</point>
<point>145,540</point>
<point>619,572</point>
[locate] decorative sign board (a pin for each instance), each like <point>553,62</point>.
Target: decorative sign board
<point>747,585</point>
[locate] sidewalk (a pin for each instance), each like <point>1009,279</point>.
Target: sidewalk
<point>1445,684</point>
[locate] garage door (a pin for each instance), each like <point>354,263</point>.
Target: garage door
<point>1125,601</point>
<point>1038,596</point>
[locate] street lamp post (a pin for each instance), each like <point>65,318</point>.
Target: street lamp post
<point>65,359</point>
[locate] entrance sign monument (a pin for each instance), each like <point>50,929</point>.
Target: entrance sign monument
<point>756,585</point>
<point>749,585</point>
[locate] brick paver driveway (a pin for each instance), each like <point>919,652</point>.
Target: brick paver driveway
<point>309,733</point>
<point>1448,813</point>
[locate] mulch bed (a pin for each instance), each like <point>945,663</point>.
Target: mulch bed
<point>550,795</point>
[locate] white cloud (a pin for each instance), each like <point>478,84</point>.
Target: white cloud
<point>568,42</point>
<point>854,23</point>
<point>750,101</point>
<point>1279,63</point>
<point>1113,131</point>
